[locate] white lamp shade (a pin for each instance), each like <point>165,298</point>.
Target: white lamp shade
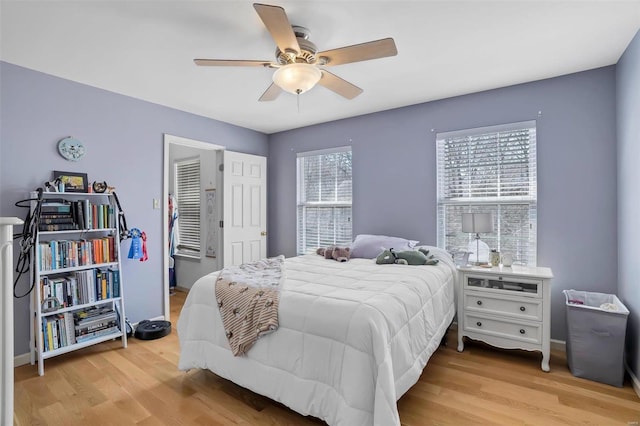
<point>477,222</point>
<point>297,78</point>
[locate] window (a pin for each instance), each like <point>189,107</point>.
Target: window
<point>489,169</point>
<point>187,173</point>
<point>324,199</point>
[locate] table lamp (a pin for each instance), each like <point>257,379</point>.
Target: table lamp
<point>475,223</point>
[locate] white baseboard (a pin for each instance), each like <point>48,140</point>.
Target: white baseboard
<point>160,318</point>
<point>23,359</point>
<point>558,345</point>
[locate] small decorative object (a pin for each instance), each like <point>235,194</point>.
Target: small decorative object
<point>495,257</point>
<point>53,186</point>
<point>507,260</point>
<point>71,148</point>
<point>475,223</point>
<point>135,251</point>
<point>99,187</point>
<point>73,182</point>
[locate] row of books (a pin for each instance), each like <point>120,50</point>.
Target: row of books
<point>65,215</point>
<point>60,254</point>
<point>81,288</point>
<point>70,328</point>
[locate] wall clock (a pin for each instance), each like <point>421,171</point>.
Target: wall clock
<point>71,149</point>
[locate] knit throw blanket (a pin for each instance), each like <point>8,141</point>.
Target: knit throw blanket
<point>248,297</point>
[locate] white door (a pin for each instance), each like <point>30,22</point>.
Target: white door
<point>245,208</point>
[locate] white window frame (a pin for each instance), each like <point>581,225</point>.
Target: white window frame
<point>188,242</point>
<point>303,246</point>
<point>475,198</point>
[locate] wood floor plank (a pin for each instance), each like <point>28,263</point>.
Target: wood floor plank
<point>141,385</point>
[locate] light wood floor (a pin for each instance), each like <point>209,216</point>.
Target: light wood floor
<point>108,385</point>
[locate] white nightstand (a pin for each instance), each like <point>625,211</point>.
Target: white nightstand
<point>506,307</point>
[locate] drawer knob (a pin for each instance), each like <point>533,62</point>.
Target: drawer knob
<point>522,308</point>
<point>522,331</point>
<point>479,324</point>
<point>479,302</point>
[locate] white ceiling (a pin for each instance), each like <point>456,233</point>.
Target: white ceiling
<point>145,49</point>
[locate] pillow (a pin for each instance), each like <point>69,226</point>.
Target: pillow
<point>368,246</point>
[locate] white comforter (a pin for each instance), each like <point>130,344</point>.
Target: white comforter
<point>353,336</point>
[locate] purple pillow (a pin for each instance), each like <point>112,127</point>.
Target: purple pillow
<point>368,246</point>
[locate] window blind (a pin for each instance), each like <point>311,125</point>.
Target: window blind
<point>187,174</point>
<point>489,169</point>
<point>324,199</point>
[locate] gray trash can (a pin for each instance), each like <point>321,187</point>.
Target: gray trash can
<point>596,328</point>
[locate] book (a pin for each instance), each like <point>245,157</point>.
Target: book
<point>93,335</point>
<point>69,325</point>
<point>55,219</point>
<point>49,334</point>
<point>57,226</point>
<point>100,214</point>
<point>87,214</point>
<point>55,208</point>
<point>115,274</point>
<point>79,210</point>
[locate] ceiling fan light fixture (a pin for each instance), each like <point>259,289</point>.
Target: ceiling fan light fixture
<point>297,78</point>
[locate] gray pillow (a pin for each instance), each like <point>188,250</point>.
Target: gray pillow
<point>368,246</point>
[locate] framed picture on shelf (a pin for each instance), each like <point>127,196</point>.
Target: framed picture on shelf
<point>73,182</point>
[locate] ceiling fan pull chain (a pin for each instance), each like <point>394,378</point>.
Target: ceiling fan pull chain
<point>298,99</point>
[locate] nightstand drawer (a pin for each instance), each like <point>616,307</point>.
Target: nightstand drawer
<point>513,330</point>
<point>504,285</point>
<point>517,307</point>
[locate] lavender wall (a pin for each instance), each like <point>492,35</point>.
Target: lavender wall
<point>394,172</point>
<point>628,112</point>
<point>124,141</point>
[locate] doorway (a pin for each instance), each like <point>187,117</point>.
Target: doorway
<point>210,156</point>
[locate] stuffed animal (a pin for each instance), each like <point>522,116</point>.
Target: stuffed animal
<point>326,252</point>
<point>341,254</point>
<point>407,257</point>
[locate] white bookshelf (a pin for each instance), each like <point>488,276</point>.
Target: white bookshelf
<point>67,266</point>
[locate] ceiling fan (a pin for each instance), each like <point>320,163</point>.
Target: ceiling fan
<point>298,61</point>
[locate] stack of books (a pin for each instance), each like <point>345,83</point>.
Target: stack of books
<point>94,322</point>
<point>56,216</point>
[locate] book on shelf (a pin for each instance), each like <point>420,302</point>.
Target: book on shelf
<point>95,334</point>
<point>71,334</point>
<point>55,219</point>
<point>54,207</point>
<point>57,227</point>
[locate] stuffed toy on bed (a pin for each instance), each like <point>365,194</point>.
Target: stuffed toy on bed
<point>406,257</point>
<point>341,254</point>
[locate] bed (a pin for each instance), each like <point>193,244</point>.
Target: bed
<point>353,336</point>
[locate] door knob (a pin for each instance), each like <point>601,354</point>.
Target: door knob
<point>263,233</point>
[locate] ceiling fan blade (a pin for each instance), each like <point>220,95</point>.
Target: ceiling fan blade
<point>359,52</point>
<point>276,21</point>
<point>338,85</point>
<point>271,93</point>
<point>230,63</point>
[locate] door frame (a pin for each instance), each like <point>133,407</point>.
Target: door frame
<point>168,141</point>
